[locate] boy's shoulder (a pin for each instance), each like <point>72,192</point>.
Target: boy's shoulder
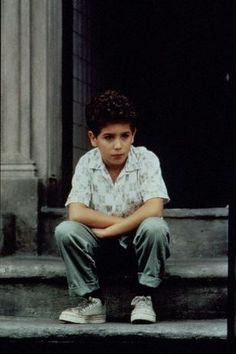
<point>141,153</point>
<point>142,159</point>
<point>90,158</point>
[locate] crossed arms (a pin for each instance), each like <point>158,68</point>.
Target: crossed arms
<point>111,226</point>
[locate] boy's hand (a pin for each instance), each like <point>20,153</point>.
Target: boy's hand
<point>106,232</point>
<point>100,233</point>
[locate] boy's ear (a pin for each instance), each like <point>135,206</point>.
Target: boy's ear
<point>134,132</point>
<point>92,138</point>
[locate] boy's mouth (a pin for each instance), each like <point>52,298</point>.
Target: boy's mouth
<point>117,156</point>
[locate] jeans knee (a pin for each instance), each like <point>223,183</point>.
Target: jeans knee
<point>70,234</point>
<point>153,229</point>
<point>62,232</point>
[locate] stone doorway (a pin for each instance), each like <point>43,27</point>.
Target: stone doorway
<point>174,62</point>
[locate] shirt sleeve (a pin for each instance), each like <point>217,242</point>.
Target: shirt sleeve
<point>81,190</point>
<point>152,184</point>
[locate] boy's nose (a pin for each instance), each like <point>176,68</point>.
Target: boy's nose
<point>117,144</point>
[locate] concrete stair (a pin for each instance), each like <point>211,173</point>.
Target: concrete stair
<point>27,335</point>
<point>191,303</point>
<point>36,286</point>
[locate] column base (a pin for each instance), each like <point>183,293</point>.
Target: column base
<point>19,197</point>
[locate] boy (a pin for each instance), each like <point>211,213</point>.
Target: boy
<point>117,192</point>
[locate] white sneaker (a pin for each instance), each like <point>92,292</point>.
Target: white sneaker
<point>90,310</point>
<point>143,311</point>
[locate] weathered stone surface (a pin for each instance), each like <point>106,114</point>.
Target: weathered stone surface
<point>198,237</point>
<point>22,266</point>
<point>202,213</point>
<point>7,234</point>
<point>20,197</point>
<point>194,268</point>
<point>16,328</point>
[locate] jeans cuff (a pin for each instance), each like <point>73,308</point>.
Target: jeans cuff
<point>83,290</point>
<point>148,280</point>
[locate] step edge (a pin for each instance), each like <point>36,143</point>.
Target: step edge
<point>51,329</point>
<point>54,268</point>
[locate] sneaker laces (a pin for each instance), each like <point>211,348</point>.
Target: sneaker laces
<point>87,303</point>
<point>141,299</point>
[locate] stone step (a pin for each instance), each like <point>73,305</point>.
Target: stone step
<point>27,335</point>
<point>194,232</point>
<point>36,286</point>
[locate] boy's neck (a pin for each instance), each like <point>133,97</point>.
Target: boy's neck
<point>114,171</point>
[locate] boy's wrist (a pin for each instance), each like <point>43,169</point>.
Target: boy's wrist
<point>110,231</point>
<point>113,230</point>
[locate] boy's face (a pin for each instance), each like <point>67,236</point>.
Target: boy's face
<point>113,141</point>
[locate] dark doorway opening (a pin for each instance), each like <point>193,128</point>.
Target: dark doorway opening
<point>174,60</point>
<point>67,99</point>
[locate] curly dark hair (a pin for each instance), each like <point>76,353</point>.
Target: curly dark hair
<point>109,107</point>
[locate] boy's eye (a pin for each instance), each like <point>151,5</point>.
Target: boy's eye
<point>125,136</point>
<point>108,137</point>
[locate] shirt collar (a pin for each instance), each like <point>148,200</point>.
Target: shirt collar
<point>97,163</point>
<point>132,161</point>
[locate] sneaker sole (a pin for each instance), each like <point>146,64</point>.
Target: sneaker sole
<point>66,317</point>
<point>143,318</point>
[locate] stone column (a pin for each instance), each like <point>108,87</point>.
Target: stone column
<point>19,181</point>
<point>15,73</point>
<point>46,100</point>
<point>31,44</point>
<point>31,136</point>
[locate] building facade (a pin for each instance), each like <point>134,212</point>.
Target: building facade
<point>56,54</point>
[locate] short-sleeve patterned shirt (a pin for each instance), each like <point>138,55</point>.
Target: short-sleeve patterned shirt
<point>140,180</point>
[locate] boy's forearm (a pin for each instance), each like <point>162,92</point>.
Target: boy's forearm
<point>153,207</point>
<point>90,217</point>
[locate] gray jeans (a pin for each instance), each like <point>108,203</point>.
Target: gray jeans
<point>78,246</point>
